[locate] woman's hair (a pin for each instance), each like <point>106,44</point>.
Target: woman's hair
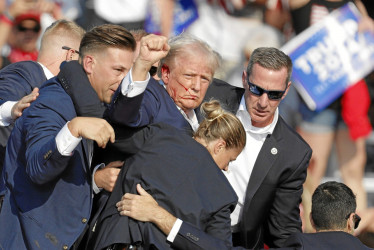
<point>219,123</point>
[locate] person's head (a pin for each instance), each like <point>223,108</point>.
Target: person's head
<point>25,32</point>
<point>266,82</point>
<point>106,53</point>
<point>187,70</point>
<point>60,42</point>
<point>333,208</point>
<point>221,133</point>
<point>138,35</point>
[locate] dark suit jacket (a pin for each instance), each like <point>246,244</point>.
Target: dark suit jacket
<point>16,81</point>
<point>325,241</point>
<point>271,209</point>
<point>48,196</point>
<point>180,174</point>
<point>192,238</point>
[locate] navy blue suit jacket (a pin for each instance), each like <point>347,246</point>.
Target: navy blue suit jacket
<point>183,178</point>
<point>192,238</point>
<point>48,196</point>
<point>16,81</point>
<point>154,105</point>
<point>325,241</point>
<point>271,210</point>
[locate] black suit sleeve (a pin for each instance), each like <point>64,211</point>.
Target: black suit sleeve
<point>19,79</point>
<point>128,142</point>
<point>229,96</point>
<point>190,237</point>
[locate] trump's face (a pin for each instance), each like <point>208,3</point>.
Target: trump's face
<point>187,80</point>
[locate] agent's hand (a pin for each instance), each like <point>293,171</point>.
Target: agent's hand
<point>144,208</point>
<point>140,207</point>
<point>152,49</point>
<point>25,102</point>
<point>96,129</point>
<point>106,177</point>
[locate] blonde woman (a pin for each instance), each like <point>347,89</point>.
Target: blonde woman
<point>183,174</point>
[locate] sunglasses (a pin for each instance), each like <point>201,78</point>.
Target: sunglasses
<point>272,94</point>
<point>68,48</point>
<point>356,219</point>
<point>35,29</point>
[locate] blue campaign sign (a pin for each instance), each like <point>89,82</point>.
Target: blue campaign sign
<point>330,56</point>
<point>184,14</point>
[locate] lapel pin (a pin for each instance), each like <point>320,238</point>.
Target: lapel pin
<point>274,151</point>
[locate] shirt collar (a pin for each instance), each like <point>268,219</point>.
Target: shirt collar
<point>190,116</point>
<point>48,74</point>
<point>243,115</point>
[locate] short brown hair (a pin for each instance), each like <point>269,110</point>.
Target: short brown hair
<point>138,34</point>
<point>270,58</point>
<point>105,36</point>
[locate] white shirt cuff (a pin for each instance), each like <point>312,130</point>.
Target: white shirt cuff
<point>174,231</point>
<point>6,113</point>
<point>95,188</point>
<point>66,142</point>
<point>130,88</point>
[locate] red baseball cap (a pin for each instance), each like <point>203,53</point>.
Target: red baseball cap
<point>27,16</point>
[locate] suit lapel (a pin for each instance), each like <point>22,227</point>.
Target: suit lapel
<point>86,154</point>
<point>265,160</point>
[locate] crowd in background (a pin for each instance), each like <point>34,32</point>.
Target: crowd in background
<point>233,28</point>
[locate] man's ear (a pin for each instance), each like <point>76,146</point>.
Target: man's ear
<point>312,222</point>
<point>350,224</point>
<point>287,89</point>
<point>88,63</point>
<point>244,79</point>
<point>220,145</point>
<point>165,74</point>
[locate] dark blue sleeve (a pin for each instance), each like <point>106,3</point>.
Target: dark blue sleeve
<point>19,79</point>
<point>191,237</point>
<point>136,111</point>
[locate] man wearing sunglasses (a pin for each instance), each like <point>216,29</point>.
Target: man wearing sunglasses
<point>268,175</point>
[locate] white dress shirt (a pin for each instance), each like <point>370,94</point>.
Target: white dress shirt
<point>240,170</point>
<point>66,142</point>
